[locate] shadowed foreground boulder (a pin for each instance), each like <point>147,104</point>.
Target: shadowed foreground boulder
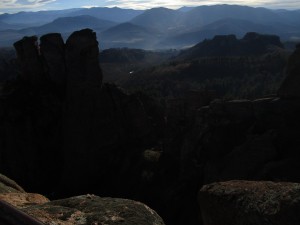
<point>250,203</point>
<point>91,209</point>
<point>79,210</point>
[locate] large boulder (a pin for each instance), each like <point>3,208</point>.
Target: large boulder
<point>91,209</point>
<point>250,203</point>
<point>79,210</point>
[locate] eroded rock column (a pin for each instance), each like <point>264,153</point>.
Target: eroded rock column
<point>52,49</point>
<point>28,55</point>
<point>82,116</point>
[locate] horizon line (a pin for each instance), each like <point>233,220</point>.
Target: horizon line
<point>110,7</point>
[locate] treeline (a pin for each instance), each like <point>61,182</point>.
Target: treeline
<point>230,76</point>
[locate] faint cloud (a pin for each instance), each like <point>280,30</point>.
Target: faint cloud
<point>89,6</point>
<point>18,4</point>
<point>145,4</point>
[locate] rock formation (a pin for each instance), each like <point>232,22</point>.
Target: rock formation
<point>250,203</point>
<point>91,209</point>
<point>52,49</point>
<point>290,86</point>
<point>79,210</point>
<point>66,133</point>
<point>7,185</point>
<point>68,129</point>
<point>31,64</point>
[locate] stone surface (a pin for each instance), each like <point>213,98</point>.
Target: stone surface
<point>82,60</point>
<point>22,200</point>
<point>290,86</point>
<point>250,203</point>
<point>29,59</point>
<point>78,210</point>
<point>91,209</point>
<point>7,185</point>
<point>52,50</point>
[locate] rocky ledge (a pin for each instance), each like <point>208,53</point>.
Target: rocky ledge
<point>79,210</point>
<point>250,203</point>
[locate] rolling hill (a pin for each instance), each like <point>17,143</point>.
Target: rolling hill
<point>64,25</point>
<point>128,35</point>
<point>113,14</point>
<point>161,19</point>
<point>71,24</point>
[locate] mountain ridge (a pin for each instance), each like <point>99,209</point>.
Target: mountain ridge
<point>174,28</point>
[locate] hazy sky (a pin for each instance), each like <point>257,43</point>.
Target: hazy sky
<point>34,5</point>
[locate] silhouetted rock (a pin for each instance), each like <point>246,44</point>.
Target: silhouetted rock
<point>85,103</point>
<point>28,56</point>
<point>82,59</point>
<point>250,203</point>
<point>290,86</point>
<point>254,43</point>
<point>96,138</point>
<point>52,49</point>
<point>47,135</point>
<point>251,44</point>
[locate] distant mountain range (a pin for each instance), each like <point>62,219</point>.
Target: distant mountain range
<point>229,45</point>
<point>156,28</point>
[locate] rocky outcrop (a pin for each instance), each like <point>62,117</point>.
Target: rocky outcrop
<point>68,129</point>
<point>91,209</point>
<point>250,203</point>
<point>7,185</point>
<point>52,49</point>
<point>290,86</point>
<point>76,135</point>
<point>15,195</point>
<point>30,62</point>
<point>79,210</point>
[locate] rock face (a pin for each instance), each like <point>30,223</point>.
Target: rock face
<point>79,210</point>
<point>52,49</point>
<point>31,64</point>
<point>231,140</point>
<point>61,127</point>
<point>290,86</point>
<point>91,209</point>
<point>250,203</point>
<point>15,195</point>
<point>75,135</point>
<point>7,185</point>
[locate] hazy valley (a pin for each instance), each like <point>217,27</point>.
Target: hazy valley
<point>157,28</point>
